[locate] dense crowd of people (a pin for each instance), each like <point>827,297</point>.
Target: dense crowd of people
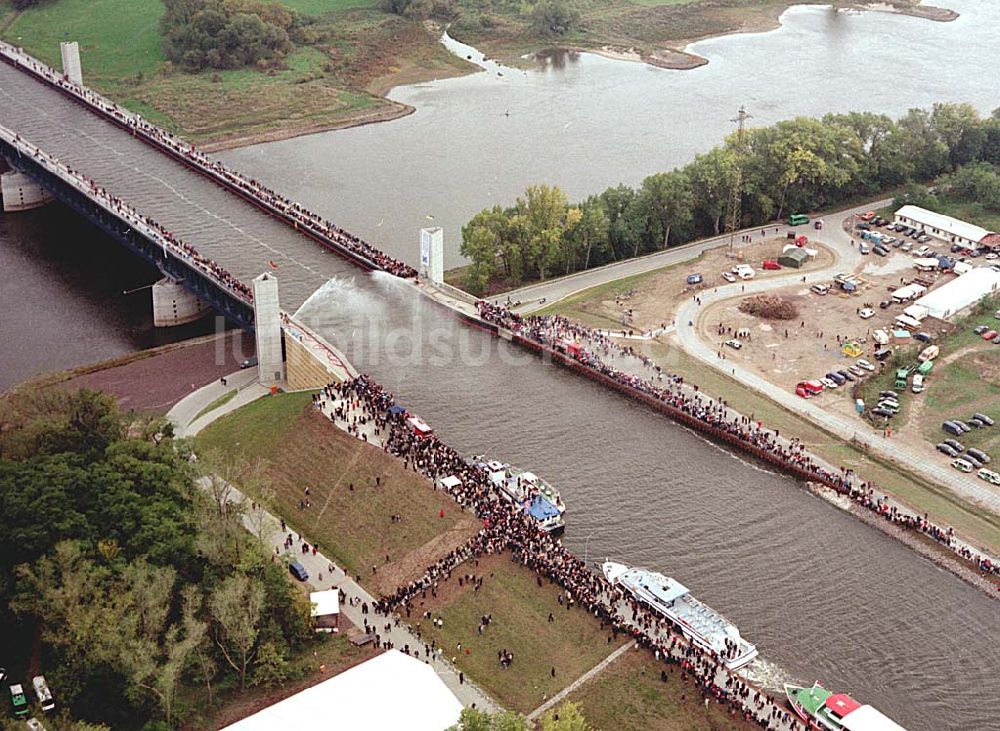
<point>578,342</point>
<point>300,217</point>
<point>152,230</point>
<point>363,406</point>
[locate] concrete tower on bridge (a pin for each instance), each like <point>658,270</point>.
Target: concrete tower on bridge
<point>432,254</point>
<point>267,323</point>
<point>71,61</point>
<point>18,192</point>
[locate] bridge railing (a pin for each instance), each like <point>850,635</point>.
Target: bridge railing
<point>303,220</point>
<point>121,210</point>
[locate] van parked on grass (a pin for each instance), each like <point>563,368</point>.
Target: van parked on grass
<point>43,693</point>
<point>918,383</point>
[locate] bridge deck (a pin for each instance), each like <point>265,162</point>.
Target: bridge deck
<point>240,237</point>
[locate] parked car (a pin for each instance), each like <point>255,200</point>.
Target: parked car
<point>917,385</point>
<point>862,363</point>
<point>695,279</point>
<point>946,450</point>
<point>989,335</point>
<point>19,701</point>
<point>980,455</point>
<point>972,460</point>
<point>864,249</point>
<point>837,378</point>
<point>880,250</point>
<point>847,374</point>
<point>888,394</point>
<point>975,423</point>
<point>923,239</point>
<point>828,382</point>
<point>729,277</point>
<point>808,389</point>
<point>43,694</point>
<point>961,425</point>
<point>885,304</point>
<point>996,340</point>
<point>955,444</point>
<point>734,344</point>
<point>980,329</point>
<point>881,411</point>
<point>922,337</point>
<point>983,418</point>
<point>250,362</point>
<point>771,265</point>
<point>866,313</point>
<point>905,246</point>
<point>989,475</point>
<point>962,465</point>
<point>298,571</point>
<point>952,428</point>
<point>822,289</point>
<point>859,372</point>
<point>922,251</point>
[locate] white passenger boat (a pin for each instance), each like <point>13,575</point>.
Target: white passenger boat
<point>705,627</point>
<point>537,497</point>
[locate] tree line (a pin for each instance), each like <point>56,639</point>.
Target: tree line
<point>227,34</point>
<point>129,586</point>
<point>802,164</point>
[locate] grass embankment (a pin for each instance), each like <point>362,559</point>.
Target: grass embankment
<point>229,705</point>
<point>631,696</point>
<point>217,404</point>
<point>923,496</point>
<point>353,526</point>
<point>572,644</point>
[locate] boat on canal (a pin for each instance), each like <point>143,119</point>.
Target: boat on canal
<point>825,710</point>
<point>538,498</point>
<point>701,624</point>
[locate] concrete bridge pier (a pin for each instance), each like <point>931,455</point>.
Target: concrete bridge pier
<point>173,305</point>
<point>70,51</point>
<point>267,328</point>
<point>18,192</point>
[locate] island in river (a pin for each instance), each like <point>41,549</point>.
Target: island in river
<point>348,54</point>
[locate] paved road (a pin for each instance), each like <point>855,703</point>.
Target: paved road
<point>847,428</point>
<point>557,289</point>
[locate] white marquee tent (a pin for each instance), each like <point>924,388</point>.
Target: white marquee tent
<point>390,691</point>
<point>960,292</point>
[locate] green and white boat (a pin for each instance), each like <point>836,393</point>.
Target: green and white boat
<point>825,710</point>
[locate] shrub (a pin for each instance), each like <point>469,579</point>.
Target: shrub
<point>769,307</point>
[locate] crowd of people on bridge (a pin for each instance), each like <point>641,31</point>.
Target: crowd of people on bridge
<point>300,217</point>
<point>578,342</point>
<point>148,227</point>
<point>365,405</point>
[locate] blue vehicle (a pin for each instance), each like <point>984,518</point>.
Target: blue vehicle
<point>298,571</point>
<point>695,279</point>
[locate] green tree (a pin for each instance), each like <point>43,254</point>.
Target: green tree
<point>554,17</point>
<point>473,719</point>
<point>236,607</point>
<point>567,717</point>
<point>668,202</point>
<point>543,212</point>
<point>711,176</point>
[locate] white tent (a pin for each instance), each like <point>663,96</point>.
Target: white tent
<point>390,691</point>
<point>961,292</point>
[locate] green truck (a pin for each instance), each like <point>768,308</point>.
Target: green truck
<point>902,376</point>
<point>19,701</point>
<point>925,368</point>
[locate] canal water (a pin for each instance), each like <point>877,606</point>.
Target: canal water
<point>824,596</point>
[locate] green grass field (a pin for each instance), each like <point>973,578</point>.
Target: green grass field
<point>118,38</point>
<point>320,7</point>
<point>631,696</point>
<point>572,644</point>
<point>352,526</point>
